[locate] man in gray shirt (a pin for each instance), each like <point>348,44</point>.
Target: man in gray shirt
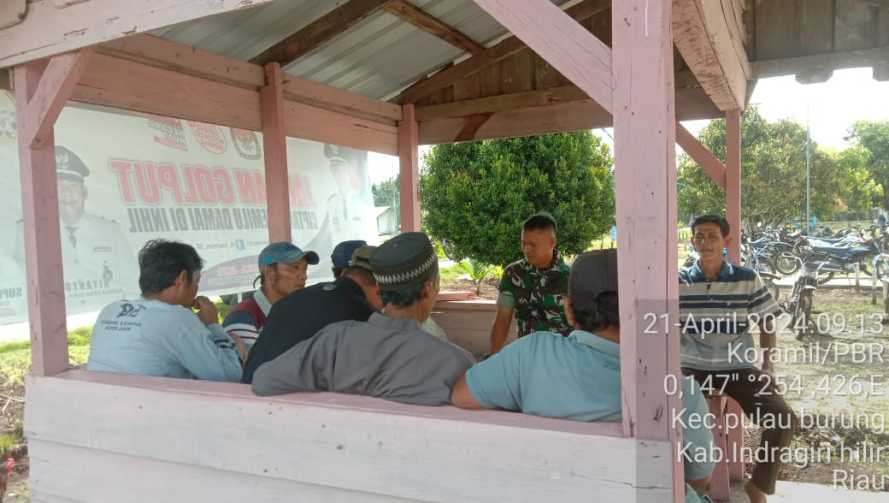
<point>389,356</point>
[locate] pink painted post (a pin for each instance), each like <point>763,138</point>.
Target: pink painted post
<point>274,144</point>
<point>409,169</point>
<point>43,249</point>
<point>733,182</point>
<point>645,148</point>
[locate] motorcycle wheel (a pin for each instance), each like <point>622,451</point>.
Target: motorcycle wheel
<point>787,263</point>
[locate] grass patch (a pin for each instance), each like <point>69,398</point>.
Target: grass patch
<point>451,274</point>
<point>8,440</point>
<point>15,357</point>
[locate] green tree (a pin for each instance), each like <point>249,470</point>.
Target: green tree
<point>386,193</point>
<point>476,195</point>
<point>861,193</point>
<point>873,136</point>
<point>773,178</point>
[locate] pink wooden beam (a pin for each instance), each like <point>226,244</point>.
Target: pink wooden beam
<point>733,182</point>
<point>56,85</point>
<point>561,41</point>
<point>645,141</point>
<point>274,143</point>
<point>43,249</point>
<point>712,166</point>
<point>409,169</point>
<point>48,30</point>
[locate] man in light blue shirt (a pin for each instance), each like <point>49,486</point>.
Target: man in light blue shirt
<point>158,334</point>
<point>584,367</point>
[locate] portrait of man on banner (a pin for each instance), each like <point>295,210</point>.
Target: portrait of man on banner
<point>97,258</point>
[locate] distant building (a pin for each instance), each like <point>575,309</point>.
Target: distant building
<point>387,220</point>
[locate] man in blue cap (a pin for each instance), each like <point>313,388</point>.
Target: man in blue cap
<point>342,255</point>
<point>283,269</point>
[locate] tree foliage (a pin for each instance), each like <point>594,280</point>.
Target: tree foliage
<point>873,137</point>
<point>773,179</point>
<point>386,193</point>
<point>476,195</point>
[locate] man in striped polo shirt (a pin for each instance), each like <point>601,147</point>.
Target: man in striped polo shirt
<point>718,302</point>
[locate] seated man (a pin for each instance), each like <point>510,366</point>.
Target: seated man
<point>342,255</point>
<point>282,269</point>
<point>354,295</point>
<point>388,356</point>
<point>341,258</point>
<point>584,367</point>
<point>158,334</point>
<point>718,302</point>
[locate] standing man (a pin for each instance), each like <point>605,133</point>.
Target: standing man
<point>388,356</point>
<point>158,334</point>
<point>283,269</point>
<point>95,251</point>
<point>718,302</point>
<point>353,295</point>
<point>533,288</point>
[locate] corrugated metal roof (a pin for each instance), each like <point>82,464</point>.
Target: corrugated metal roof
<point>378,57</point>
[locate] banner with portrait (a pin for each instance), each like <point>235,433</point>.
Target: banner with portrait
<point>126,178</point>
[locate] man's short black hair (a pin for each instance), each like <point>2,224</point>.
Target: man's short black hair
<point>358,272</point>
<point>338,271</point>
<point>597,313</point>
<point>540,221</point>
<point>407,295</point>
<point>724,228</point>
<point>161,262</point>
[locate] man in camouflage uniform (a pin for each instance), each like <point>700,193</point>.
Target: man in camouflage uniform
<point>533,288</point>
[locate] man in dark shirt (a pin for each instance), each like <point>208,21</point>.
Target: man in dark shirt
<point>388,356</point>
<point>297,317</point>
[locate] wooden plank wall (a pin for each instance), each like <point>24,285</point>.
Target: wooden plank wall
<point>138,439</point>
<point>468,324</point>
<point>793,28</point>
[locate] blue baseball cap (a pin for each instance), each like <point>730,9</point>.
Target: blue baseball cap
<point>342,253</point>
<point>285,253</point>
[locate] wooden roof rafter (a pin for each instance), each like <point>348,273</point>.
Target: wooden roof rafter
<point>490,56</point>
<point>419,18</point>
<point>710,35</point>
<point>318,32</point>
<point>344,17</point>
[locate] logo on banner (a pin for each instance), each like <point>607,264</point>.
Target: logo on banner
<point>172,134</point>
<point>208,136</point>
<point>246,143</point>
